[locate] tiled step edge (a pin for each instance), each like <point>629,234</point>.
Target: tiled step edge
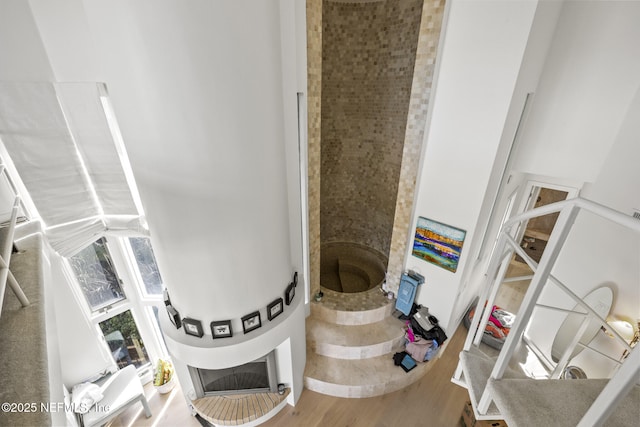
<point>359,378</point>
<point>354,341</point>
<point>352,317</point>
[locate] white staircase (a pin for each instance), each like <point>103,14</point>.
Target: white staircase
<point>497,391</point>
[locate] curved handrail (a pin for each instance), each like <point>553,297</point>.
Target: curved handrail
<point>588,205</point>
<point>505,246</point>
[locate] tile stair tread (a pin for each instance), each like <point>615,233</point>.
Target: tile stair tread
<point>358,301</point>
<point>359,378</point>
<point>320,331</point>
<point>351,339</point>
<point>351,315</point>
<point>360,372</point>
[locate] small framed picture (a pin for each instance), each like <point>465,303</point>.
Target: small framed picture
<point>295,279</point>
<point>221,329</point>
<point>289,293</point>
<point>174,316</point>
<point>251,321</point>
<point>275,308</point>
<point>192,327</point>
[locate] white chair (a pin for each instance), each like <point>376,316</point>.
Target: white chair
<point>120,390</point>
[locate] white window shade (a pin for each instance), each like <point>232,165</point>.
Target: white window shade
<point>36,137</point>
<point>88,124</point>
<point>61,145</point>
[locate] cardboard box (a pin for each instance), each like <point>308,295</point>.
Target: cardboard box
<point>469,419</point>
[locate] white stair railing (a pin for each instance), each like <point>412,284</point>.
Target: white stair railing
<point>506,246</point>
<point>5,258</point>
<point>6,249</point>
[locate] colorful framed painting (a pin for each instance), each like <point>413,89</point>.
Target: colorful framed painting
<point>438,243</point>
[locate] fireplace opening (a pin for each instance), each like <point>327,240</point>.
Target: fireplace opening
<point>258,376</point>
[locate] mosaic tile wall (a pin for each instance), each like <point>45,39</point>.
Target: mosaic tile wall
<point>429,34</point>
<point>368,55</point>
<point>314,90</point>
<point>430,28</point>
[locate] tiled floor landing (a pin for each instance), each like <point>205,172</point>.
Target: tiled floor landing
<point>359,308</point>
<point>351,339</point>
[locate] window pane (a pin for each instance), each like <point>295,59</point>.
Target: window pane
<point>124,341</point>
<point>156,319</point>
<point>143,253</point>
<point>97,277</point>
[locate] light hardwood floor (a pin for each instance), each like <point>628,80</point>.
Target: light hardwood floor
<point>433,401</point>
<point>167,410</point>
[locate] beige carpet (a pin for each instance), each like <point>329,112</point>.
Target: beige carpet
<point>23,348</point>
<point>559,403</point>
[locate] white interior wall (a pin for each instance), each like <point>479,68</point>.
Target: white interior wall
<point>294,80</point>
<point>564,141</point>
<point>18,27</point>
<point>503,181</point>
<point>598,253</point>
<point>301,153</point>
<point>204,127</point>
<point>611,253</point>
<point>583,127</point>
<point>479,65</point>
<point>588,83</point>
<point>66,37</point>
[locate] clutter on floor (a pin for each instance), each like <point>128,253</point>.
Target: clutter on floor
<point>423,338</point>
<point>498,326</point>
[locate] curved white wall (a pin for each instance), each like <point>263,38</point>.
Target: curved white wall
<point>200,107</point>
<point>282,334</point>
<point>199,92</point>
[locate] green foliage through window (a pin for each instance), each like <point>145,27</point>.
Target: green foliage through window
<point>124,340</point>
